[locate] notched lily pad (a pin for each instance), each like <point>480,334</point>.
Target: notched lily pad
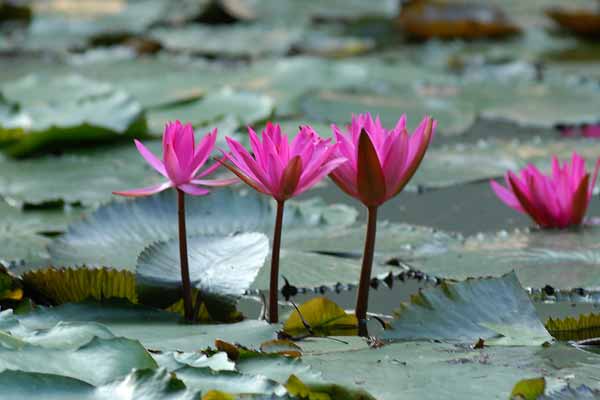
<point>494,309</point>
<point>72,285</point>
<point>575,328</point>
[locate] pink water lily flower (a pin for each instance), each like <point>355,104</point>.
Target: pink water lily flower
<point>181,162</point>
<point>558,200</point>
<point>380,164</point>
<point>380,161</point>
<point>281,169</point>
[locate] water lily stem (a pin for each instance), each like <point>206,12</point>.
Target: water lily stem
<point>183,259</point>
<point>274,285</point>
<point>362,301</point>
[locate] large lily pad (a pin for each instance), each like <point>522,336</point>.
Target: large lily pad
<point>229,40</point>
<point>98,361</point>
<point>454,116</point>
<point>415,369</point>
<point>494,309</point>
<point>84,110</point>
<point>559,258</point>
<point>155,329</point>
<point>245,107</point>
<point>145,384</point>
<point>85,177</point>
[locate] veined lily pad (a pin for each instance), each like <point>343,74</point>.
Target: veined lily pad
<point>221,266</point>
<point>84,110</point>
<point>559,258</point>
<point>494,309</point>
<point>581,328</point>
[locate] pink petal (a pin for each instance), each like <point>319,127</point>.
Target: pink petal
<point>193,190</point>
<point>215,182</point>
<point>172,166</point>
<point>203,151</point>
<point>151,158</point>
<point>147,191</point>
<point>506,196</point>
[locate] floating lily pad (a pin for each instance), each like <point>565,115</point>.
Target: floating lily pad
<point>535,104</point>
<point>496,310</point>
<point>143,384</point>
<point>83,177</point>
<point>581,328</point>
<point>69,110</point>
<point>416,369</point>
<point>454,116</point>
<point>20,236</point>
<point>155,329</point>
<point>229,40</point>
<point>245,107</point>
<point>97,362</point>
<point>559,258</point>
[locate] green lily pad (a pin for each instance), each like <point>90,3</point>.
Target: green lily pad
<point>155,329</point>
<point>20,235</point>
<point>496,310</point>
<point>98,361</point>
<point>84,177</point>
<point>245,107</point>
<point>559,258</point>
<point>85,110</point>
<point>415,369</point>
<point>142,384</point>
<point>229,40</point>
<point>544,104</point>
<point>454,115</point>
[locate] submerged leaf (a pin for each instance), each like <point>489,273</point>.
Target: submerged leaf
<point>494,309</point>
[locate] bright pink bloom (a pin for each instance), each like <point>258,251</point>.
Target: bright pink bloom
<point>280,168</point>
<point>552,201</point>
<point>380,162</point>
<point>181,163</point>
